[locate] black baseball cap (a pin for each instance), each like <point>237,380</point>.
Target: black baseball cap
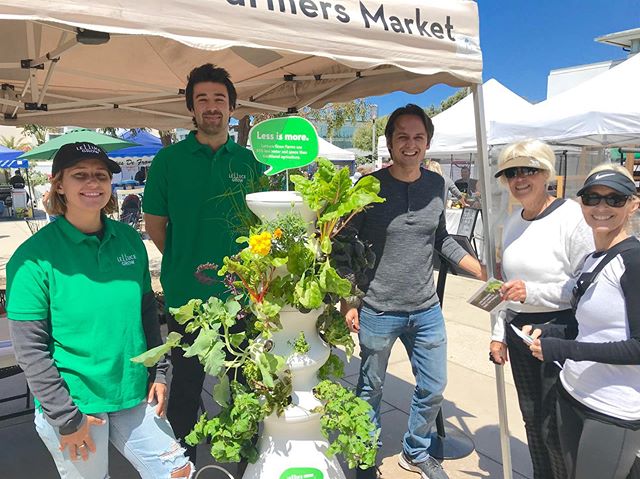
<point>72,153</point>
<point>613,179</point>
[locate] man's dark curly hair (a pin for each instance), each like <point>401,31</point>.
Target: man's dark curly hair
<point>409,109</point>
<point>210,73</point>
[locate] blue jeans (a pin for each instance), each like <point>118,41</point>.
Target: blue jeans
<point>425,339</point>
<point>145,439</point>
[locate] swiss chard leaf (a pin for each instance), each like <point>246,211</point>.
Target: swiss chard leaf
<point>150,358</point>
<point>222,391</point>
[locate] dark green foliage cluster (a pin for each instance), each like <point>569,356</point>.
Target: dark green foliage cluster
<point>347,423</point>
<point>352,258</point>
<point>300,345</point>
<point>232,431</point>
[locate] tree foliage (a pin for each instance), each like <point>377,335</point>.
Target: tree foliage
<point>334,115</point>
<point>447,103</point>
<point>362,135</point>
<point>37,132</point>
<point>14,143</point>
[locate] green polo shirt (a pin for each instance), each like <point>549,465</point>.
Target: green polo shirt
<point>201,192</point>
<point>91,291</point>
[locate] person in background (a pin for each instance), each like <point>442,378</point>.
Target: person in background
<point>450,186</point>
<point>400,299</point>
<point>465,183</point>
<point>543,244</point>
<point>598,404</point>
<point>193,215</point>
<point>141,175</point>
<point>80,306</point>
<point>17,180</point>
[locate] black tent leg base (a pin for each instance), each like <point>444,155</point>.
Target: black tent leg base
<point>453,445</point>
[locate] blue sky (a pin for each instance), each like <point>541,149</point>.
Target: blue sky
<point>522,40</point>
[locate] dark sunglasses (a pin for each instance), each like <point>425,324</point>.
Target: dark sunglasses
<point>594,199</point>
<point>520,171</point>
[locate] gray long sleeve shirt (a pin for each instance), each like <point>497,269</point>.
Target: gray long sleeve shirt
<point>404,231</point>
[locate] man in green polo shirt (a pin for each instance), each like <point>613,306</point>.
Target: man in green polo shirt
<point>194,209</point>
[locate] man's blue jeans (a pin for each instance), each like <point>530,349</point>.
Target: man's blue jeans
<point>425,339</point>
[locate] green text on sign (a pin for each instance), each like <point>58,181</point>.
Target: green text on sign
<point>284,143</point>
<point>302,473</point>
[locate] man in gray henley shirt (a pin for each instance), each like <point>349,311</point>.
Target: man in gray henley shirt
<point>400,299</point>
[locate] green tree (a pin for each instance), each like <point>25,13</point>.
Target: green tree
<point>14,143</point>
<point>37,132</point>
<point>433,110</point>
<point>335,115</point>
<point>362,135</point>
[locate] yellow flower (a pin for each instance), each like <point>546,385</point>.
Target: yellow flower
<point>260,244</point>
<point>277,234</point>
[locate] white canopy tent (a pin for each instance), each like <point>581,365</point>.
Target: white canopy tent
<point>603,111</point>
<point>333,152</point>
<point>124,64</point>
<point>454,128</point>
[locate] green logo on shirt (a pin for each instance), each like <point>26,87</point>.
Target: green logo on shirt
<point>127,259</point>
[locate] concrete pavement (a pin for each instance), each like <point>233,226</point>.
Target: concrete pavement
<point>470,404</point>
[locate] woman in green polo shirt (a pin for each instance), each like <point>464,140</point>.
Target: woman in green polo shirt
<point>80,307</point>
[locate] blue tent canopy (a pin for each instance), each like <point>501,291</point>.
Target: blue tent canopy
<point>8,158</point>
<point>149,145</point>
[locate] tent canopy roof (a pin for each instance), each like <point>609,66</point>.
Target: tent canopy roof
<point>602,111</point>
<point>149,145</point>
<point>8,158</point>
<point>284,59</point>
<point>333,152</point>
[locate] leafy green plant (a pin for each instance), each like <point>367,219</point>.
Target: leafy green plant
<point>280,264</point>
<point>336,201</point>
<point>347,423</point>
<point>300,345</point>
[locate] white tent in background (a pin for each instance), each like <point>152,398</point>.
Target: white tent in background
<point>334,153</point>
<point>455,133</point>
<point>602,111</point>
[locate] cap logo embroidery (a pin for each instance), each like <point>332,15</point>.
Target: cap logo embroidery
<point>600,176</point>
<point>127,259</point>
<point>87,148</point>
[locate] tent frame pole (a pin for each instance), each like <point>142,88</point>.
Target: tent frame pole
<point>484,173</point>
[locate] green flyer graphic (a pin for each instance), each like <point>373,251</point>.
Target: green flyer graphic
<point>284,143</point>
<point>302,473</point>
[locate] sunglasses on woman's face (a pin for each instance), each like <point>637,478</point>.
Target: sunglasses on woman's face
<point>510,173</point>
<point>594,199</point>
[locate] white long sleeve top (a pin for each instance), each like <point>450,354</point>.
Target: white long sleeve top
<point>544,253</point>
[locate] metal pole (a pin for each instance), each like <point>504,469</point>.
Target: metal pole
<point>490,260</point>
<point>30,190</point>
<point>565,159</point>
<point>374,115</point>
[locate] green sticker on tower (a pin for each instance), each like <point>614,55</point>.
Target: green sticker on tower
<point>302,473</point>
<point>284,143</point>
